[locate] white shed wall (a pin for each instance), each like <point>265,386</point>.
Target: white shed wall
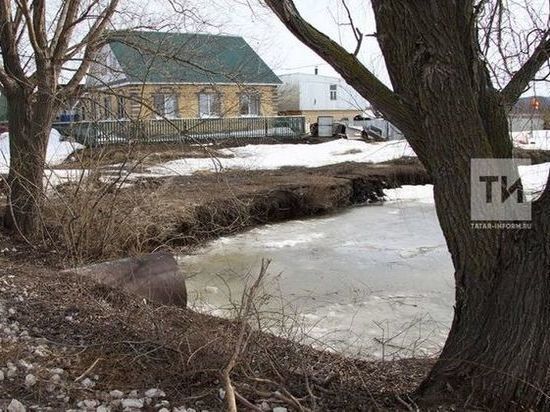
<point>314,93</point>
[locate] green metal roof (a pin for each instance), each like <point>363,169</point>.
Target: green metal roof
<point>159,57</point>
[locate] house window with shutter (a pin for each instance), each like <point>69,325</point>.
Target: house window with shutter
<point>333,89</point>
<point>209,105</point>
<point>250,104</point>
<point>165,105</point>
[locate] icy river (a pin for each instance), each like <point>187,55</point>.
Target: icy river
<point>373,281</point>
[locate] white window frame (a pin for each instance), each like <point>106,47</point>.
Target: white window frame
<point>207,107</point>
<point>163,111</point>
<point>121,108</point>
<point>333,89</point>
<point>252,98</point>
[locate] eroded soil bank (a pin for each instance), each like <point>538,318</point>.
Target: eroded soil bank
<point>230,202</point>
<point>206,206</point>
<point>104,339</point>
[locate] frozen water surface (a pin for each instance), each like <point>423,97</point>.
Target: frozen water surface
<point>371,281</point>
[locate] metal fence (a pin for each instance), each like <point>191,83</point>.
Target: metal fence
<point>181,130</point>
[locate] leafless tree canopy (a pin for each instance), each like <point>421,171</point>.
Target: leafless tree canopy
<point>37,41</point>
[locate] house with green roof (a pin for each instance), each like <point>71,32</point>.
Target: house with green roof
<point>148,75</point>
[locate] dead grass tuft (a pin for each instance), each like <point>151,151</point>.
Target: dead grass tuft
<point>102,221</point>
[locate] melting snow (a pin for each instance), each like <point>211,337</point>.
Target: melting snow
<point>532,140</point>
<point>533,177</point>
<point>264,157</point>
<point>56,153</point>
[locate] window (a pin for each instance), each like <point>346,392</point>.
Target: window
<point>250,105</point>
<point>121,107</point>
<point>107,107</point>
<point>94,110</point>
<point>135,105</point>
<point>166,105</point>
<point>209,105</point>
<point>333,92</point>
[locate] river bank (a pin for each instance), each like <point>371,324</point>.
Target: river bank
<point>70,344</point>
<point>114,349</point>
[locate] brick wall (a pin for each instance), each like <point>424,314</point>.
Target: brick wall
<point>138,102</point>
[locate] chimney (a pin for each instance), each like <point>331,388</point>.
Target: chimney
<point>316,70</point>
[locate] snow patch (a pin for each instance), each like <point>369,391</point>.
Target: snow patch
<point>265,157</point>
<point>57,150</point>
<point>533,177</point>
<point>419,193</point>
<point>532,140</point>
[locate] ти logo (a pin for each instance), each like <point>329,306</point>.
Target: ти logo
<point>496,190</point>
<point>506,191</point>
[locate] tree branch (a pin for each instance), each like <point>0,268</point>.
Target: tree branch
<point>91,40</point>
<point>8,46</point>
<point>520,80</point>
<point>64,28</point>
<point>356,32</point>
<point>27,19</point>
<point>350,68</point>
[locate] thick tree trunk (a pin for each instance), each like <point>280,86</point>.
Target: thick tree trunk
<point>30,121</point>
<point>498,350</point>
<point>497,353</point>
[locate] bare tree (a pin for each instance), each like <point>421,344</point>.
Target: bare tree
<point>36,42</point>
<point>446,100</point>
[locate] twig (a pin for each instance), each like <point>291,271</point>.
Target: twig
<point>247,403</point>
<point>405,404</point>
<point>241,343</point>
<point>87,371</point>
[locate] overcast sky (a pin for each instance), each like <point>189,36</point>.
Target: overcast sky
<point>285,54</point>
<point>282,51</point>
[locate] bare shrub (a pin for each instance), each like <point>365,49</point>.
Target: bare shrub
<point>98,220</point>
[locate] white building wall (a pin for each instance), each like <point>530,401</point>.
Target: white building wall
<point>524,122</point>
<point>106,69</point>
<point>314,93</point>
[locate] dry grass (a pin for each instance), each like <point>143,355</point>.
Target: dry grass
<point>138,154</point>
<point>98,219</point>
<point>104,221</point>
